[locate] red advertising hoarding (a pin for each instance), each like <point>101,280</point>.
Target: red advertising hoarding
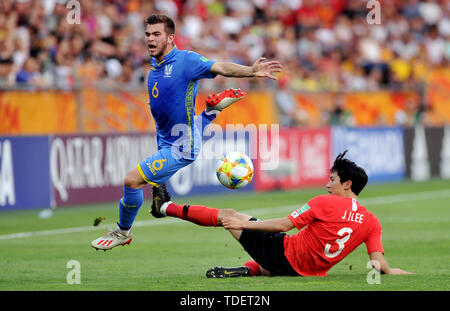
<point>303,160</point>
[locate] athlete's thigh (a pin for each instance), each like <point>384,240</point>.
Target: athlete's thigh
<point>160,166</point>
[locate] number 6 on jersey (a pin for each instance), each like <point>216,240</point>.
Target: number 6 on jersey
<point>155,91</point>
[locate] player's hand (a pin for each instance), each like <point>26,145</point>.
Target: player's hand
<point>398,271</point>
<point>263,68</point>
<point>233,223</point>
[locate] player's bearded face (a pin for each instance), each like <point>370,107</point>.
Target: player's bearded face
<point>157,40</point>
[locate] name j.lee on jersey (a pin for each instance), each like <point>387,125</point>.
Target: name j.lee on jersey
<point>356,217</point>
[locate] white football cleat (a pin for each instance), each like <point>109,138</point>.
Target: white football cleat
<point>220,101</point>
<point>112,239</point>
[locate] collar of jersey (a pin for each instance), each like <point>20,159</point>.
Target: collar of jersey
<point>167,56</point>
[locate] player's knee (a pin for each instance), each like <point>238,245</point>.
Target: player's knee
<point>132,181</point>
<point>227,212</point>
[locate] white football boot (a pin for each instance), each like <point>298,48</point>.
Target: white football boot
<point>220,101</point>
<point>112,239</point>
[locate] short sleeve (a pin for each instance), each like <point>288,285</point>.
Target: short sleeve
<point>373,241</point>
<point>307,213</point>
<point>198,66</point>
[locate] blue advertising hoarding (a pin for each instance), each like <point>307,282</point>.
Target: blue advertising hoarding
<point>92,168</point>
<point>24,172</point>
<point>44,171</point>
<point>380,151</point>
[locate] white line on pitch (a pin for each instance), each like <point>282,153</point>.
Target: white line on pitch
<point>391,199</point>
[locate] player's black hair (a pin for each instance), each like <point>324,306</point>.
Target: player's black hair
<point>169,25</point>
<point>348,170</point>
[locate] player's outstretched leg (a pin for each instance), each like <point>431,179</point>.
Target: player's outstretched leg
<point>220,101</point>
<point>197,214</point>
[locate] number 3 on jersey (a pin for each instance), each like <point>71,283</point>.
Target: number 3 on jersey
<point>340,242</point>
<point>155,91</point>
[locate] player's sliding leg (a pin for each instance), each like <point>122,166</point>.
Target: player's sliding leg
<point>207,216</point>
<point>222,272</point>
<point>250,268</point>
<point>198,214</point>
<point>201,215</point>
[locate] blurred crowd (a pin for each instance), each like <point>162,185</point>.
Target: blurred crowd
<point>323,45</point>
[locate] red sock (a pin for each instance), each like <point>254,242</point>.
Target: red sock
<point>254,267</point>
<point>198,214</point>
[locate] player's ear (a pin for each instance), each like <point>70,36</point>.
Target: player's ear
<point>347,185</point>
<point>170,38</point>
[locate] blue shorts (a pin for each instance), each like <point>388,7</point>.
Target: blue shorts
<point>159,167</point>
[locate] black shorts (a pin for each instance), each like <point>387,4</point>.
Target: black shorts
<point>267,249</point>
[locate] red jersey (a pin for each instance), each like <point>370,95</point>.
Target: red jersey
<point>335,226</point>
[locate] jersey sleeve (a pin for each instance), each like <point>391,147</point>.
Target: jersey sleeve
<point>373,241</point>
<point>198,66</point>
<point>307,213</point>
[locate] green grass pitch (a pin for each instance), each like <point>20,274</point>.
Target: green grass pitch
<point>171,255</point>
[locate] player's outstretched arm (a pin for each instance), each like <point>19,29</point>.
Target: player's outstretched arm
<point>271,225</point>
<point>261,68</point>
<point>379,262</point>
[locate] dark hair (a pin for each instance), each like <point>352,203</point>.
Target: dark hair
<point>169,25</point>
<point>348,170</point>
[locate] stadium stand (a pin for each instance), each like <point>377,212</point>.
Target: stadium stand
<point>335,63</point>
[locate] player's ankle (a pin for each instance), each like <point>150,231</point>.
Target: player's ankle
<point>124,230</point>
<point>163,208</point>
<point>253,266</point>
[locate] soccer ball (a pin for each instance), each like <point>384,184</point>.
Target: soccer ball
<point>235,170</point>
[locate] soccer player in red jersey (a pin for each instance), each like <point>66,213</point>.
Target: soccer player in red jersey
<point>332,226</point>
